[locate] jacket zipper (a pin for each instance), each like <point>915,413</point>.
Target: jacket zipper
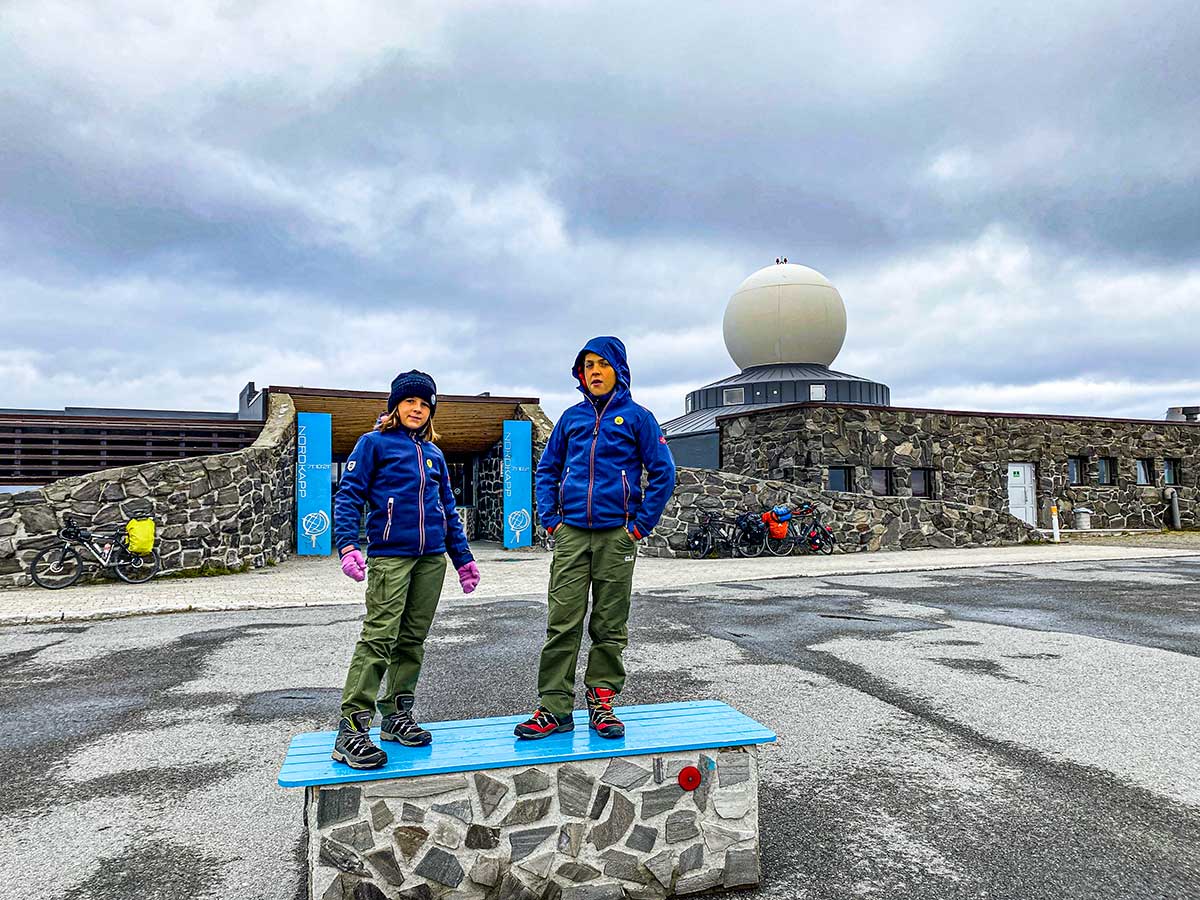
<point>562,486</point>
<point>387,529</point>
<point>421,498</point>
<point>625,491</point>
<point>592,462</point>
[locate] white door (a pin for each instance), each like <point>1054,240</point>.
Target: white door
<point>1022,495</point>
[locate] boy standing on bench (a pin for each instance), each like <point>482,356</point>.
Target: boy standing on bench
<point>589,496</point>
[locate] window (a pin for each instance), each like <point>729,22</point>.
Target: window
<point>841,478</point>
<point>1108,470</point>
<point>689,403</point>
<point>1077,469</point>
<point>881,482</point>
<point>1145,471</point>
<point>816,392</point>
<point>922,482</point>
<point>1171,471</point>
<point>733,396</point>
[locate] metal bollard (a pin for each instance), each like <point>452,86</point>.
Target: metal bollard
<point>1172,497</point>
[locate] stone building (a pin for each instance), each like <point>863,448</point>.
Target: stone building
<point>1119,469</point>
<point>790,420</point>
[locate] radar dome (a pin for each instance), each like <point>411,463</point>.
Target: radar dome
<point>785,314</point>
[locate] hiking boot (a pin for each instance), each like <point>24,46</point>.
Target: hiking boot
<point>543,723</point>
<point>401,727</point>
<point>601,717</point>
<point>354,746</point>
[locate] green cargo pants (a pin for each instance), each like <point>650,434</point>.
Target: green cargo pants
<point>602,560</point>
<point>402,596</point>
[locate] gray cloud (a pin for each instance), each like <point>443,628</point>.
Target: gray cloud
<point>1006,197</point>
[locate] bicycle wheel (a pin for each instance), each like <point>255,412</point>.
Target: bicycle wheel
<point>826,541</point>
<point>781,546</point>
<point>136,569</point>
<point>699,542</point>
<point>56,567</point>
<point>749,544</point>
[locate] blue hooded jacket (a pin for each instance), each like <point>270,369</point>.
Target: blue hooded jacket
<point>590,474</point>
<point>405,484</point>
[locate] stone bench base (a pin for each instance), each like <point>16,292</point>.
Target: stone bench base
<point>597,829</point>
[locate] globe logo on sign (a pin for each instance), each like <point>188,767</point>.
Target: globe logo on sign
<point>518,521</point>
<point>315,524</point>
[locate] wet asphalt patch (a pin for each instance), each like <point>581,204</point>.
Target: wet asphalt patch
<point>151,870</point>
<point>59,709</point>
<point>1145,614</point>
<point>156,783</point>
<point>1058,831</point>
<point>301,703</point>
<point>12,661</point>
<point>1053,830</point>
<point>987,667</point>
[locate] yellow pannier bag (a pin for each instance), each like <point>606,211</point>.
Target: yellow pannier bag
<point>139,536</point>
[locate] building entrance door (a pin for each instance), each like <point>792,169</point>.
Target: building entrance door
<point>1022,492</point>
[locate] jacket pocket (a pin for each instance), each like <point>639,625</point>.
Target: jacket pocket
<point>387,528</point>
<point>625,496</point>
<point>562,486</point>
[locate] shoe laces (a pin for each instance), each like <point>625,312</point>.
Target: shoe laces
<point>542,716</point>
<point>359,742</point>
<point>405,723</point>
<point>601,708</point>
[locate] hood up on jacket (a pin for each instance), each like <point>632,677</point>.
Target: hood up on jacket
<point>611,349</point>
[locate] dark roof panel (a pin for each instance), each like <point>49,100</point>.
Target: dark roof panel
<point>706,419</point>
<point>786,372</point>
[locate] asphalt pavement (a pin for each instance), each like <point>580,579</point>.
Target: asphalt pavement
<point>1006,732</point>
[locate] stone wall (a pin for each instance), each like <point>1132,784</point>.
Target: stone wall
<point>603,829</point>
<point>859,521</point>
<point>223,512</point>
<point>490,473</point>
<point>470,519</point>
<point>969,453</point>
<point>489,488</point>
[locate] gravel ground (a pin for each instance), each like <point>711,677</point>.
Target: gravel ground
<point>1017,732</point>
<point>1166,540</point>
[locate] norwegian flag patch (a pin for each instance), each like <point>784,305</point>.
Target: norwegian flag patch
<point>662,439</point>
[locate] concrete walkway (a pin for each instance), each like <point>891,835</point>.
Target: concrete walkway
<point>316,581</point>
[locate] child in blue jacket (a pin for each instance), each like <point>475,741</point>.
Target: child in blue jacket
<point>589,496</point>
<point>412,523</point>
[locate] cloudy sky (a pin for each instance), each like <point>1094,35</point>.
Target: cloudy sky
<point>196,195</point>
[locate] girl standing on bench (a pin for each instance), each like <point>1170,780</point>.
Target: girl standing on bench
<point>402,478</point>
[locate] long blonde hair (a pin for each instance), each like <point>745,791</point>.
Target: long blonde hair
<point>392,420</point>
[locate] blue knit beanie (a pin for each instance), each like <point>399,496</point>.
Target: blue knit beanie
<point>413,384</point>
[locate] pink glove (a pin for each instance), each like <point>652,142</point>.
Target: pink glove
<point>468,577</point>
<point>354,564</point>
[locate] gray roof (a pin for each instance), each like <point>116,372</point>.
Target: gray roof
<point>706,419</point>
<point>784,372</point>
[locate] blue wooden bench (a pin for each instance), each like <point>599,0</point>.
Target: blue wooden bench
<point>670,809</point>
<point>471,744</point>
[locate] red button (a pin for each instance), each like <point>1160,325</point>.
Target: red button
<point>689,778</point>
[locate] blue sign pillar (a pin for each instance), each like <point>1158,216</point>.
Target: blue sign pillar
<point>314,483</point>
<point>518,485</point>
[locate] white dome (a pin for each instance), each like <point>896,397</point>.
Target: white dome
<point>785,314</point>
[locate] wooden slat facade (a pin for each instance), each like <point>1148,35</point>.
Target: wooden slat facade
<point>465,424</point>
<point>38,449</point>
